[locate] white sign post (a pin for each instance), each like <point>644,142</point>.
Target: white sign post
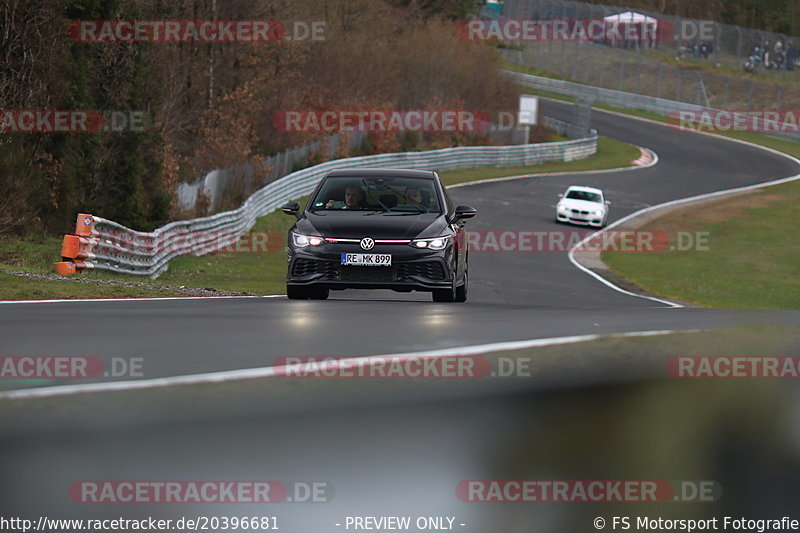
<point>528,113</point>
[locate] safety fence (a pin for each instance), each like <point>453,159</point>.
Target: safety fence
<point>102,244</point>
<point>661,106</point>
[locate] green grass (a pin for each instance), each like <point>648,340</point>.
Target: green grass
<point>610,154</point>
<point>750,261</point>
<point>259,272</point>
<point>32,253</point>
<point>20,288</point>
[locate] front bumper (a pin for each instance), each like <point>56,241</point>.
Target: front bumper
<point>411,269</point>
<point>580,219</point>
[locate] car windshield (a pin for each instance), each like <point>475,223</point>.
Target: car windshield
<point>585,195</point>
<point>376,194</point>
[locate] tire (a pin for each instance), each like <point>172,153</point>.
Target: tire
<point>461,292</point>
<point>445,295</point>
<point>293,292</point>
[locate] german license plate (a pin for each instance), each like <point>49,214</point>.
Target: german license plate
<point>367,259</point>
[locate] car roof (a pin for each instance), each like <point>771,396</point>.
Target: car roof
<point>387,172</point>
<point>584,189</point>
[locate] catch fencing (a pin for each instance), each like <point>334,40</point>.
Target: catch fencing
<point>626,100</point>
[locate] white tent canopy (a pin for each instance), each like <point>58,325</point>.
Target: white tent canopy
<point>630,26</point>
<point>630,17</point>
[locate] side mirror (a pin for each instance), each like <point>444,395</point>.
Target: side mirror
<point>561,195</point>
<point>464,212</point>
<point>291,208</point>
<point>607,202</point>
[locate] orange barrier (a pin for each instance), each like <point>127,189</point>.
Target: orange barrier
<point>84,225</point>
<point>76,247</point>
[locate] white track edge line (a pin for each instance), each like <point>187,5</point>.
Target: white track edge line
<point>149,299</point>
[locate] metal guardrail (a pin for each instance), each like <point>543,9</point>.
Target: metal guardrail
<point>103,244</point>
<point>661,106</point>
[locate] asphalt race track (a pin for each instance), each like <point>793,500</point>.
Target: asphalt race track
<point>404,450</point>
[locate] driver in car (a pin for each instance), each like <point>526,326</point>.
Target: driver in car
<point>352,199</point>
<point>414,196</point>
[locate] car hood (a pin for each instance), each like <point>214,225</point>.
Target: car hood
<point>377,225</point>
<point>581,204</point>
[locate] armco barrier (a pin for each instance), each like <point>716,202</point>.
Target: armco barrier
<point>103,244</point>
<point>625,100</point>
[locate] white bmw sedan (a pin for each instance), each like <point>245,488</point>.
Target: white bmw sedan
<point>582,205</point>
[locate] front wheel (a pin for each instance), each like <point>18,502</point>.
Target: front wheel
<point>293,292</point>
<point>445,295</point>
<point>461,292</point>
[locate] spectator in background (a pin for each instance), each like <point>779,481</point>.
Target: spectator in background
<point>792,56</point>
<point>683,50</point>
<point>780,56</point>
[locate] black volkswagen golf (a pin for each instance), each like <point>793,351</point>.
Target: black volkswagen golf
<point>378,229</point>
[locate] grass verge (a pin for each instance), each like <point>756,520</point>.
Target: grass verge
<point>750,261</point>
<point>20,288</point>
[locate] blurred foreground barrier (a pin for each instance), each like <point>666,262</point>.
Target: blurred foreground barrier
<point>102,244</point>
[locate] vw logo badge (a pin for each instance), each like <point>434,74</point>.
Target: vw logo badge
<point>367,243</point>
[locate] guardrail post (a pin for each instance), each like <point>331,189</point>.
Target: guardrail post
<point>77,247</point>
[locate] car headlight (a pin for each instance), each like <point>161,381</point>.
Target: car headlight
<point>437,243</point>
<point>562,207</point>
<point>301,241</point>
<point>597,212</point>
